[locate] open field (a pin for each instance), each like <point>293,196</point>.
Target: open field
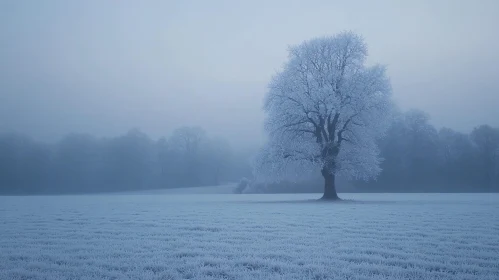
<point>376,236</point>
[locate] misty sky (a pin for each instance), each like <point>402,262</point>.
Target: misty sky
<point>104,67</point>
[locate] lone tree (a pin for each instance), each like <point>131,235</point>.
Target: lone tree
<point>324,111</point>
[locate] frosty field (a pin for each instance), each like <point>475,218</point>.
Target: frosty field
<point>224,236</point>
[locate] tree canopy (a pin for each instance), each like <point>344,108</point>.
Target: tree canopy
<point>325,110</point>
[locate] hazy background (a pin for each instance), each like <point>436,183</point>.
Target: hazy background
<point>103,67</point>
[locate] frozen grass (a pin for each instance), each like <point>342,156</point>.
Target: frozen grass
<point>378,236</point>
<point>220,189</point>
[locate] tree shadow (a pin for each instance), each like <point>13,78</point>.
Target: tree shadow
<point>323,201</point>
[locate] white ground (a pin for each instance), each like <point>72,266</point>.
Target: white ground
<point>220,189</point>
<point>165,236</point>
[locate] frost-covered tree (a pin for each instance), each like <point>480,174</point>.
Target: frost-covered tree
<point>324,111</point>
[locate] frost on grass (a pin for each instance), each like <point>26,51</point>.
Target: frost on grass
<point>237,237</point>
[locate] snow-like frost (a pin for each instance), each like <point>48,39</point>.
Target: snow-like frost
<point>324,111</point>
<point>382,236</point>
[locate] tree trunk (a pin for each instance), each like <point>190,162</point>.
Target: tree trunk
<point>329,186</point>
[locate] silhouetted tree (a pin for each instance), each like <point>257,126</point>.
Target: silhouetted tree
<point>486,141</point>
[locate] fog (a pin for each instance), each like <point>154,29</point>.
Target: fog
<point>104,90</point>
<point>104,67</point>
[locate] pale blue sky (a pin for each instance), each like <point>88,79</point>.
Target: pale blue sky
<point>103,67</point>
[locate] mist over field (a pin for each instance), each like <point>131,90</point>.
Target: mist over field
<point>416,158</point>
<point>93,92</point>
<point>249,139</point>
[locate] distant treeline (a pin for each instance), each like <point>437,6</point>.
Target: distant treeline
<point>82,163</point>
<point>420,158</point>
<point>417,158</point>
